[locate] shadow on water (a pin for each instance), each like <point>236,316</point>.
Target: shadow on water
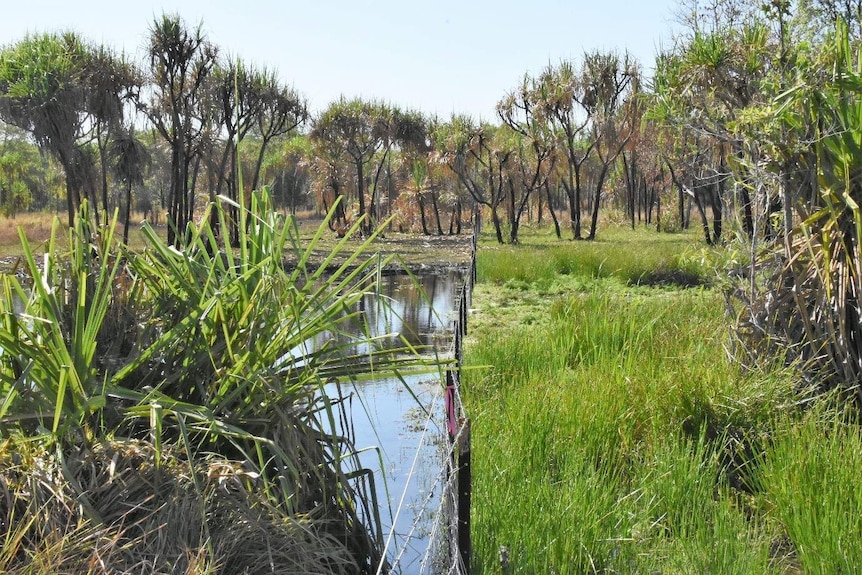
<point>399,430</point>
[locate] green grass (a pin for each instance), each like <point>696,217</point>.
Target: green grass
<point>612,432</point>
<point>811,486</point>
<point>668,259</point>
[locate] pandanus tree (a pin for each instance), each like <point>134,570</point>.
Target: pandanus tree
<point>561,100</point>
<point>534,144</point>
<point>643,173</point>
<point>355,130</point>
<point>56,87</point>
<point>236,94</point>
<point>115,87</point>
<point>682,149</point>
<point>714,81</point>
<point>418,185</point>
<point>282,111</point>
<point>181,62</point>
<point>809,311</point>
<point>331,179</point>
<point>585,106</point>
<point>612,91</point>
<point>414,142</point>
<point>130,160</point>
<point>479,156</point>
<point>287,166</point>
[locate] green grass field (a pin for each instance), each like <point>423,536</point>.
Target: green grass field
<point>614,433</point>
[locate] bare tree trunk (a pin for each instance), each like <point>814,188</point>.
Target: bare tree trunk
<point>539,202</point>
<point>716,205</point>
<point>422,213</point>
<point>574,211</point>
<point>436,210</point>
<point>360,191</point>
<point>128,212</point>
<point>174,201</point>
<point>552,212</point>
<point>631,189</point>
<point>372,207</point>
<point>498,227</point>
<point>510,212</point>
<point>594,221</point>
<point>103,160</point>
<point>704,221</point>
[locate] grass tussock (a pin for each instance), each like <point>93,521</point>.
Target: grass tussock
<point>96,511</point>
<point>613,432</point>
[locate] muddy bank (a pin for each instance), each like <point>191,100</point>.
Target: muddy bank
<point>418,253</point>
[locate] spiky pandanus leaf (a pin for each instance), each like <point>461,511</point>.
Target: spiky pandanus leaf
<point>809,309</point>
<point>228,354</point>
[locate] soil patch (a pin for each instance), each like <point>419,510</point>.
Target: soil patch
<point>418,253</point>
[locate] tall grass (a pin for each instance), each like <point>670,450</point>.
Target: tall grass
<point>618,435</point>
<point>668,261</point>
<point>812,489</point>
<point>186,374</point>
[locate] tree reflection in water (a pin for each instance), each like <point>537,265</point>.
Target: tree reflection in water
<point>387,421</point>
<point>414,309</point>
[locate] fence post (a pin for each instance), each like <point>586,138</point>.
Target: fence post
<point>475,245</point>
<point>465,494</point>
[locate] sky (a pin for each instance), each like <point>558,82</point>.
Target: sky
<point>436,56</point>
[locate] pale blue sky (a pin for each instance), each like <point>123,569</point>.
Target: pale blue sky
<point>435,56</point>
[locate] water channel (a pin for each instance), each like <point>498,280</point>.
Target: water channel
<point>403,429</point>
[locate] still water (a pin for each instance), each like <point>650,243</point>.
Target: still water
<point>400,431</point>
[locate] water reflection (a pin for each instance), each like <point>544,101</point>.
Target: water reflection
<point>404,427</point>
<point>399,435</point>
<point>417,310</point>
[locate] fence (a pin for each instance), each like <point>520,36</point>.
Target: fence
<point>456,498</point>
<point>458,494</point>
<point>449,551</point>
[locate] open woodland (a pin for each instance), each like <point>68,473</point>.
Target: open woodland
<point>664,364</point>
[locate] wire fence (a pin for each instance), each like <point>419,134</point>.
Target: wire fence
<point>458,489</point>
<point>447,503</point>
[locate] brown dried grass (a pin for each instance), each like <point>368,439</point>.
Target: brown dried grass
<point>107,507</point>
